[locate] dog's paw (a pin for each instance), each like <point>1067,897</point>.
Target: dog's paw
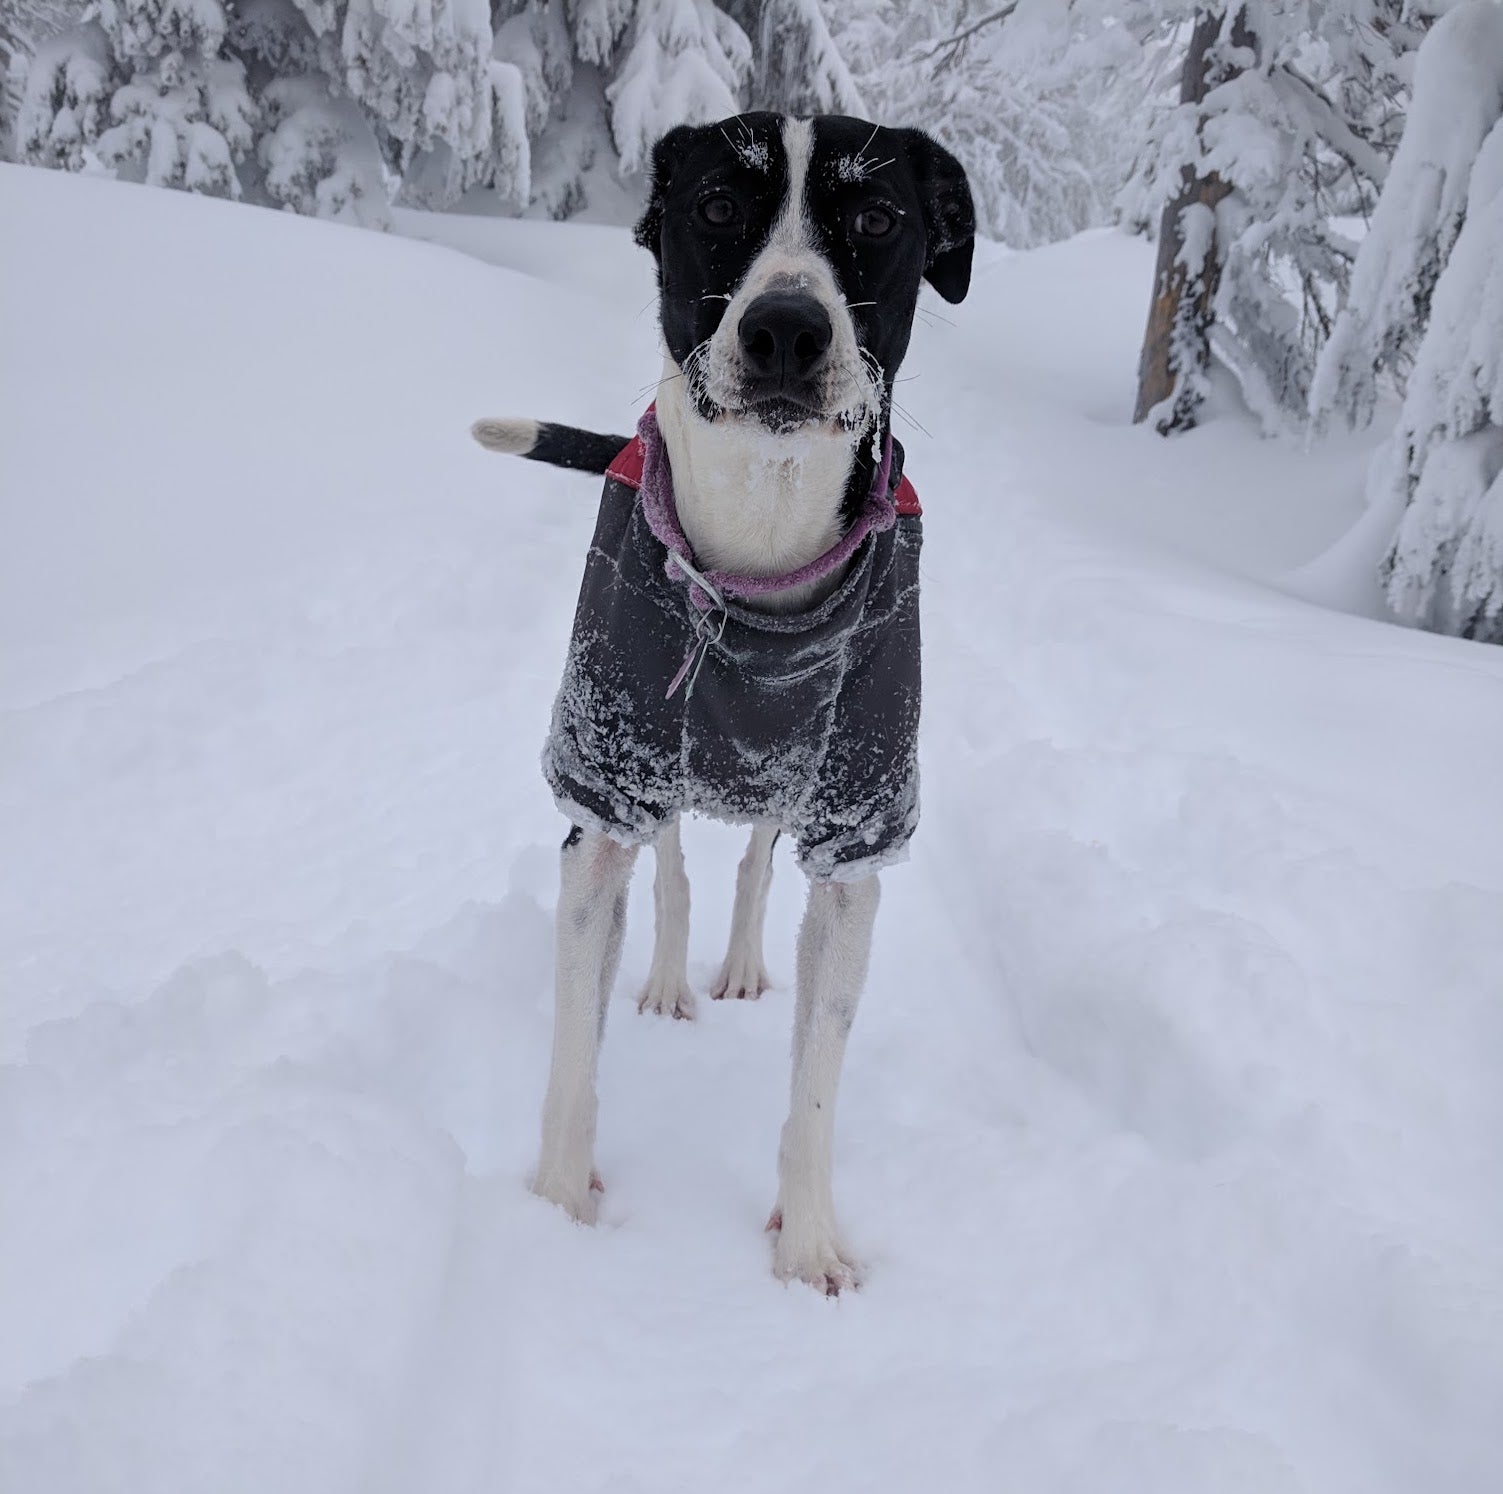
<point>667,998</point>
<point>562,1187</point>
<point>741,978</point>
<point>816,1259</point>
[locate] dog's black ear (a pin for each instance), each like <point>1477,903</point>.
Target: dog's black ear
<point>949,215</point>
<point>667,154</point>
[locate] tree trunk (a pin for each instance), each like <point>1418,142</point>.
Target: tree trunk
<point>1176,344</point>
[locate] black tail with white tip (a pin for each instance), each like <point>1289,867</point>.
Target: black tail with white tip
<point>558,445</point>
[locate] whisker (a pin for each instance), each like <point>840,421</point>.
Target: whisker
<point>915,423</point>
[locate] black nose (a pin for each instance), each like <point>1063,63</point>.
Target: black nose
<point>784,336</point>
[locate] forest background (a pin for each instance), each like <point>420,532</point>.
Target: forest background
<point>1324,177</point>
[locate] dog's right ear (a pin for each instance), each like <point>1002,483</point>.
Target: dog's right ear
<point>667,155</point>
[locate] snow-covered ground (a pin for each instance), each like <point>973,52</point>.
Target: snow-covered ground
<point>1172,1129</point>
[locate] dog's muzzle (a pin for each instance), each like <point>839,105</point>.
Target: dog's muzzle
<point>785,339</point>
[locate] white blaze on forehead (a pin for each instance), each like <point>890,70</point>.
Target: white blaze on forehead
<point>798,146</point>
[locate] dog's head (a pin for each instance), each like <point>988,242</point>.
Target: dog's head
<point>789,255</point>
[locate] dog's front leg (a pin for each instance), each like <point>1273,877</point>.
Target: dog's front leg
<point>667,990</point>
<point>834,948</point>
<point>591,922</point>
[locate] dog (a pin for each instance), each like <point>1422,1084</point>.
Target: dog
<point>746,643</point>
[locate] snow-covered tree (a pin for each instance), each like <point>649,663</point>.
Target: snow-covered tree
<point>1429,284</point>
<point>1416,221</point>
<point>179,116</point>
<point>318,154</point>
<point>320,105</point>
<point>65,107</point>
<point>597,81</point>
<point>1282,130</point>
<point>799,69</point>
<point>420,70</point>
<point>25,26</point>
<point>1038,99</point>
<point>685,62</point>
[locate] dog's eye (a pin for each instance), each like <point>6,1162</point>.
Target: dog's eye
<point>875,222</point>
<point>720,210</point>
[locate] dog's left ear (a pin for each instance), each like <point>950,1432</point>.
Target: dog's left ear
<point>949,215</point>
<point>667,154</point>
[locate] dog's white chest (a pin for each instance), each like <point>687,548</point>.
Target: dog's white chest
<point>752,502</point>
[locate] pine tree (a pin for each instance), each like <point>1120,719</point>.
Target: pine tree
<point>420,71</point>
<point>1428,285</point>
<point>145,91</point>
<point>799,69</point>
<point>1284,126</point>
<point>337,106</point>
<point>25,26</point>
<point>1037,101</point>
<point>685,62</point>
<point>1176,346</point>
<point>600,80</point>
<point>321,105</point>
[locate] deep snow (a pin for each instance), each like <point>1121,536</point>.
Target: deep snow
<point>1171,1130</point>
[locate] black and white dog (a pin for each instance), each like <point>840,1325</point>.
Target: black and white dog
<point>746,643</point>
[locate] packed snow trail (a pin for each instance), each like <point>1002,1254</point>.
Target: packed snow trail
<point>1170,1129</point>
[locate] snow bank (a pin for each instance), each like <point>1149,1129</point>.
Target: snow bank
<point>1171,1126</point>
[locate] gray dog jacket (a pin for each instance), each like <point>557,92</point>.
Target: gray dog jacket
<point>806,720</point>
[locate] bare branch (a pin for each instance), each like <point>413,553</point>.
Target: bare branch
<point>953,44</point>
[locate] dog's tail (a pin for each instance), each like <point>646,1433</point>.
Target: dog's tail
<point>560,445</point>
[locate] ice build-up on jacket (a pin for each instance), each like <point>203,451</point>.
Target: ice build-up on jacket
<point>805,720</point>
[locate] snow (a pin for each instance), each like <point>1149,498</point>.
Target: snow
<point>753,153</point>
<point>1170,1130</point>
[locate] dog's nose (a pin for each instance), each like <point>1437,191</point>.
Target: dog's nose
<point>785,335</point>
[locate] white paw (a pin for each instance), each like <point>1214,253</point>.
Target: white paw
<point>563,1186</point>
<point>669,997</point>
<point>815,1257</point>
<point>741,978</point>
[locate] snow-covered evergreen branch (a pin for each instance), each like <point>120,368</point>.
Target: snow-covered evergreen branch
<point>1429,278</point>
